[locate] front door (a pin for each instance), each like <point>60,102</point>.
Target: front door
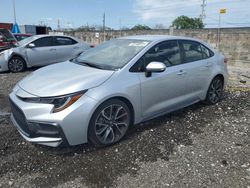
<point>162,92</point>
<point>43,53</point>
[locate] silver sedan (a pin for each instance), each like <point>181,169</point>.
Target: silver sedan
<point>123,82</point>
<point>41,50</point>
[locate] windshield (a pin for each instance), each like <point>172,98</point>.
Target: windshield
<point>21,37</point>
<point>113,54</point>
<point>27,40</point>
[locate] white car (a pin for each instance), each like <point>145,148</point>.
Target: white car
<point>122,82</point>
<point>41,50</point>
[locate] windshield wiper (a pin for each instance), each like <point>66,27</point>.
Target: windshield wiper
<point>90,64</point>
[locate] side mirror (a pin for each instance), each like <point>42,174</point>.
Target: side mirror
<point>31,45</point>
<point>154,67</point>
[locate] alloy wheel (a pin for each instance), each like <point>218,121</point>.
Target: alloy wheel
<point>215,91</point>
<point>16,65</point>
<point>111,124</point>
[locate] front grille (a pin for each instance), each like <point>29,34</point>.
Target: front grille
<point>19,117</point>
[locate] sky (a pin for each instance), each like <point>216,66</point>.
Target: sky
<point>123,13</point>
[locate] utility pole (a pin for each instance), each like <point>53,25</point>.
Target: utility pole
<point>14,8</point>
<point>58,24</point>
<point>104,37</point>
<point>203,12</point>
<point>120,26</point>
<point>221,11</point>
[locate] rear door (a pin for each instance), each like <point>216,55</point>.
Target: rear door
<point>44,52</point>
<point>163,91</point>
<point>66,48</point>
<point>198,62</point>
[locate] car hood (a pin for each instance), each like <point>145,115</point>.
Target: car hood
<point>63,78</point>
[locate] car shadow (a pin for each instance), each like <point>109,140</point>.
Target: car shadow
<point>31,69</point>
<point>167,131</point>
<point>146,142</point>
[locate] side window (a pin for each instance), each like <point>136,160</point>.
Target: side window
<point>43,42</point>
<point>206,52</point>
<point>192,51</point>
<point>61,41</point>
<point>166,52</point>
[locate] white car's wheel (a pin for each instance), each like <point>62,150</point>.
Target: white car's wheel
<point>109,123</point>
<point>215,90</point>
<point>16,64</point>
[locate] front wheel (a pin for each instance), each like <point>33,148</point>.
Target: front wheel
<point>16,64</point>
<point>215,90</point>
<point>109,123</point>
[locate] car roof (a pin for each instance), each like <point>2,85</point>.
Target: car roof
<point>53,35</point>
<point>22,34</point>
<point>157,37</point>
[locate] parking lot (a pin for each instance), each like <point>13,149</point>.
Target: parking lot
<point>199,146</point>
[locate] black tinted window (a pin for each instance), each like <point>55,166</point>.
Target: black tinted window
<point>206,52</point>
<point>166,52</point>
<point>192,51</point>
<point>43,42</point>
<point>64,41</point>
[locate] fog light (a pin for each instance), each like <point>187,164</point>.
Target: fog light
<point>43,128</point>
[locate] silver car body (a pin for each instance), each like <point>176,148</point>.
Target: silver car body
<point>45,55</point>
<point>177,87</point>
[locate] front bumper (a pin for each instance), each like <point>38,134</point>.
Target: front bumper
<point>39,139</point>
<point>44,133</point>
<point>37,124</point>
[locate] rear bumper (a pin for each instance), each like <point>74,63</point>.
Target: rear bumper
<point>3,63</point>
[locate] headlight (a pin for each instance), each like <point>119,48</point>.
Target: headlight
<point>60,103</point>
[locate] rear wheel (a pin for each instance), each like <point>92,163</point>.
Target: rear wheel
<point>215,90</point>
<point>109,123</point>
<point>16,64</point>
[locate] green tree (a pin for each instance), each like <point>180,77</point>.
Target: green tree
<point>184,22</point>
<point>140,27</point>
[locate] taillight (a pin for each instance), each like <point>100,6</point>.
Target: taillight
<point>225,60</point>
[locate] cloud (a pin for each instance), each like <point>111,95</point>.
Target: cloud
<point>165,11</point>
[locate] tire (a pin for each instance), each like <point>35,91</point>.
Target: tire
<point>109,123</point>
<point>16,64</point>
<point>215,91</point>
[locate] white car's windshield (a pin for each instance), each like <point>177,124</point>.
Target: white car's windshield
<point>27,40</point>
<point>113,54</point>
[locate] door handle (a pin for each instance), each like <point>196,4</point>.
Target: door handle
<point>52,49</point>
<point>208,65</point>
<point>76,48</point>
<point>181,72</point>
